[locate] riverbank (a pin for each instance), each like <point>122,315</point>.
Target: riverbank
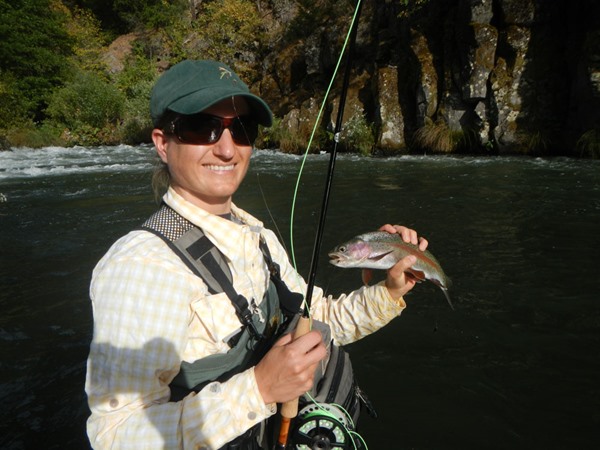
<point>587,148</point>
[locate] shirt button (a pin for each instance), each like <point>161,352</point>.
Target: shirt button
<point>251,415</point>
<point>113,403</point>
<point>215,388</point>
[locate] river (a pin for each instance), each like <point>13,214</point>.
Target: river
<point>515,365</point>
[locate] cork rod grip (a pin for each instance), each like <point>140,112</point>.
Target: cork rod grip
<point>289,409</point>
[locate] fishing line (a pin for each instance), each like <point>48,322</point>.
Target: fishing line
<point>262,193</point>
<point>290,409</point>
<point>349,429</point>
<point>314,130</point>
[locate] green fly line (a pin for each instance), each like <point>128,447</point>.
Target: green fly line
<point>314,130</point>
<point>354,436</point>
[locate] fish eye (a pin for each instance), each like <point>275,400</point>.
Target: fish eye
<point>342,248</point>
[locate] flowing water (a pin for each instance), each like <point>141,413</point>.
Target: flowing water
<point>516,365</point>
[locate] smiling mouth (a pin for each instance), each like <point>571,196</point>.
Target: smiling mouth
<point>226,168</point>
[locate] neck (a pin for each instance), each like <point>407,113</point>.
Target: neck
<point>217,205</point>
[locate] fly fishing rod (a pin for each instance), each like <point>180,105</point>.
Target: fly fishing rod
<point>289,410</point>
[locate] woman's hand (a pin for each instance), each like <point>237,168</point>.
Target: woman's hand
<point>398,281</point>
<point>287,370</point>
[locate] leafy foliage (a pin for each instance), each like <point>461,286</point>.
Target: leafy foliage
<point>410,7</point>
<point>34,45</point>
<point>89,40</point>
<point>316,13</point>
<point>85,106</point>
<point>589,143</point>
<point>358,135</point>
<point>136,82</point>
<point>229,31</point>
<point>149,13</point>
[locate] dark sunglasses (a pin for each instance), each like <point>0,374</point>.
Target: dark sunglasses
<point>205,129</point>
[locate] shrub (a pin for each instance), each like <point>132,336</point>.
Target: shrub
<point>535,142</point>
<point>28,135</point>
<point>229,31</point>
<point>438,137</point>
<point>85,106</point>
<point>33,50</point>
<point>136,82</point>
<point>280,136</point>
<point>292,139</point>
<point>589,143</point>
<point>151,13</point>
<point>358,135</point>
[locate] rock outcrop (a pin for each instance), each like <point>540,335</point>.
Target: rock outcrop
<point>505,76</point>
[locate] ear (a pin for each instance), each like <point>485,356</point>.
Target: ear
<point>160,142</point>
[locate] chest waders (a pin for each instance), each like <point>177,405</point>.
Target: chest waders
<point>326,426</point>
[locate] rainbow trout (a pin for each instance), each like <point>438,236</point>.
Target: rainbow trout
<point>381,250</point>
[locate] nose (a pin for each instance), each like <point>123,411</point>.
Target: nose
<point>225,147</point>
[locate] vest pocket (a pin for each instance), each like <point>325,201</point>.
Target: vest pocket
<point>212,324</point>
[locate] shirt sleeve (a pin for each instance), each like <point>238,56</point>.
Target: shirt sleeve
<point>350,316</point>
<point>141,299</point>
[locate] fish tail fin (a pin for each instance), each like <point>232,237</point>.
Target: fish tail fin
<point>445,291</point>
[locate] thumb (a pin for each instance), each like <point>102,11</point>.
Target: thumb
<point>403,265</point>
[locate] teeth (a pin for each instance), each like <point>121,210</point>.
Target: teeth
<point>220,168</point>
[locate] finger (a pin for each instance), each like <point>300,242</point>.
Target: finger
<point>408,234</point>
<point>423,243</point>
<point>414,237</point>
<point>307,342</point>
<point>398,269</point>
<point>389,228</point>
<point>309,348</point>
<point>284,340</point>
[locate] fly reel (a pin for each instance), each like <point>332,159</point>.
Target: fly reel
<point>322,427</point>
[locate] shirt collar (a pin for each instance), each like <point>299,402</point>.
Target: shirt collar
<point>224,233</point>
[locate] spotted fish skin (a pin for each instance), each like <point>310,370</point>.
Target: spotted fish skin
<point>381,250</point>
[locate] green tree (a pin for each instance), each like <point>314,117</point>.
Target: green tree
<point>136,82</point>
<point>33,49</point>
<point>88,108</point>
<point>229,31</point>
<point>89,40</point>
<point>150,13</point>
<point>104,11</point>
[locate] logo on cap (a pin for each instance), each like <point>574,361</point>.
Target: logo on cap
<point>224,72</point>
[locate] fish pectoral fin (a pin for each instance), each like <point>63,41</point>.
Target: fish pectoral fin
<point>379,256</point>
<point>367,276</point>
<point>419,275</point>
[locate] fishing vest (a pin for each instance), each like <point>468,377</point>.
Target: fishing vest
<point>261,326</point>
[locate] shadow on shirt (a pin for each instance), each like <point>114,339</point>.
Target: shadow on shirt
<point>119,377</point>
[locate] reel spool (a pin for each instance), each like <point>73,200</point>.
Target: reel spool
<point>322,427</point>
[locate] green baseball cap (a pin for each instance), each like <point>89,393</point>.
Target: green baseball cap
<point>190,87</point>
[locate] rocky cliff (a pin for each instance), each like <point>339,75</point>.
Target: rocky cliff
<point>498,76</point>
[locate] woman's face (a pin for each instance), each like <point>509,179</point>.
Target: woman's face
<point>207,175</point>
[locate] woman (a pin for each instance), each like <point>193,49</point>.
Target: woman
<point>154,317</point>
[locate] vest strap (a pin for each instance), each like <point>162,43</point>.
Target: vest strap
<point>202,257</point>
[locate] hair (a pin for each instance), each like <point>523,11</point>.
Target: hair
<point>161,177</point>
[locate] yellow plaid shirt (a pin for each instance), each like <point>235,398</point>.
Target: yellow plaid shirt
<point>151,313</point>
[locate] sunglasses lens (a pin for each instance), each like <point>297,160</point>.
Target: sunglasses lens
<point>198,129</point>
<point>202,129</point>
<point>244,130</point>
